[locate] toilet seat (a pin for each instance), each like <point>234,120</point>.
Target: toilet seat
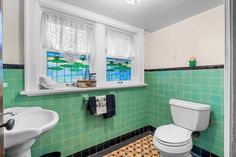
<point>173,140</point>
<point>173,135</point>
<point>173,144</point>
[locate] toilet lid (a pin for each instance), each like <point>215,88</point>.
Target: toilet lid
<point>173,135</point>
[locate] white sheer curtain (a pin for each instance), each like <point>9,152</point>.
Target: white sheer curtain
<point>67,34</point>
<point>119,44</point>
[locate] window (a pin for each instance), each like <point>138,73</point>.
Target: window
<point>62,71</point>
<point>118,69</point>
<point>67,42</point>
<point>119,52</point>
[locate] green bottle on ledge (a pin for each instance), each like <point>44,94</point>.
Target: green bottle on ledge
<point>192,62</point>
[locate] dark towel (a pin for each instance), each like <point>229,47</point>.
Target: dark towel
<point>111,106</point>
<point>91,107</point>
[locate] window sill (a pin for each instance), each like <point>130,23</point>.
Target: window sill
<point>75,90</point>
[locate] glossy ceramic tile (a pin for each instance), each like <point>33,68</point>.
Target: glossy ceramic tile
<point>136,108</point>
<point>204,86</point>
<point>77,129</point>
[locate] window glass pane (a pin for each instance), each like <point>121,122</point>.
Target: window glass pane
<point>118,69</point>
<point>63,70</point>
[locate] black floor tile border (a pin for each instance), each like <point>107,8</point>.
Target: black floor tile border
<point>105,145</point>
<point>120,145</point>
<point>220,66</point>
<point>118,140</point>
<point>202,153</point>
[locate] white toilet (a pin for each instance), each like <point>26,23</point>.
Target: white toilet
<point>175,140</point>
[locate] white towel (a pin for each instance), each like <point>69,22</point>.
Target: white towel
<point>101,105</point>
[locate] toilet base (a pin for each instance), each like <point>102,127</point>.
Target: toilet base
<point>163,154</point>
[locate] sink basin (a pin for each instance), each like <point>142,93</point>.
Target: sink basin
<point>29,124</point>
<point>22,109</point>
<point>19,110</point>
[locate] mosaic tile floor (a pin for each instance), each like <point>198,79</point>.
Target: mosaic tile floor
<point>140,148</point>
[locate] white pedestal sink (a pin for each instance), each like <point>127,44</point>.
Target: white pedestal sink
<point>29,124</point>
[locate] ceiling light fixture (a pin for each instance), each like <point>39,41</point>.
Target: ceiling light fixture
<point>133,2</point>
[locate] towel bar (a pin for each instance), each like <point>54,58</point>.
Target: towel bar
<point>86,96</point>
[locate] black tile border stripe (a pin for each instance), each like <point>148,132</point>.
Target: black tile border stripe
<point>220,66</point>
<point>118,140</point>
<point>202,153</point>
<point>105,145</point>
<point>13,66</point>
<point>120,145</point>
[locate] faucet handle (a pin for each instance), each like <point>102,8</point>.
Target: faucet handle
<point>9,124</point>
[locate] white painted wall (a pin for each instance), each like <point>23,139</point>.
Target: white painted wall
<point>201,36</point>
<point>13,31</point>
<point>147,49</point>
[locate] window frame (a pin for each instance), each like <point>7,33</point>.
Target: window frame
<point>33,45</point>
<point>43,58</point>
<point>132,59</point>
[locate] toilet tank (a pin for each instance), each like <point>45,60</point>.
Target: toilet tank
<point>190,115</point>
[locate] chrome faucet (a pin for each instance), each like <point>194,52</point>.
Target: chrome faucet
<point>9,124</point>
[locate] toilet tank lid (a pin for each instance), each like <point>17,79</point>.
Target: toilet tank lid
<point>189,105</point>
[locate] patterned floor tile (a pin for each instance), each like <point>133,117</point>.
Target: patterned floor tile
<point>140,148</point>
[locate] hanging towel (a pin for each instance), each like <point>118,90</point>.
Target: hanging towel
<point>97,105</point>
<point>111,106</point>
<point>91,106</point>
<point>101,105</point>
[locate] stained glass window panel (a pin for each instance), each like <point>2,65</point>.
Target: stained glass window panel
<point>63,70</point>
<point>118,69</point>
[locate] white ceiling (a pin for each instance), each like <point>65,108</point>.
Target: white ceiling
<point>151,15</point>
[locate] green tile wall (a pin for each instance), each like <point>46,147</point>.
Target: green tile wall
<point>205,86</point>
<point>77,129</point>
